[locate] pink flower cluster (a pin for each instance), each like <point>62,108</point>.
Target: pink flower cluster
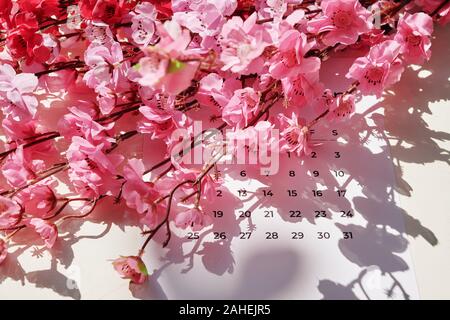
<point>143,69</point>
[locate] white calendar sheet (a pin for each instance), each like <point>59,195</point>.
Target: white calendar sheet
<point>325,227</point>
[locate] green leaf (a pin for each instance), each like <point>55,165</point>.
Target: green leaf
<point>175,66</point>
<point>142,268</point>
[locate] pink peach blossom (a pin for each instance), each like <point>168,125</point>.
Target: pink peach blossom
<point>3,250</point>
<point>414,32</point>
<point>241,108</point>
<point>290,61</point>
<point>342,21</point>
<point>342,107</point>
<point>37,200</point>
<point>138,194</point>
<point>143,23</point>
<point>380,68</point>
<point>243,43</point>
<point>10,212</point>
<point>193,217</point>
<point>15,90</point>
<point>294,135</point>
<point>47,230</point>
<point>161,68</point>
<point>160,124</point>
<point>17,169</point>
<point>131,267</point>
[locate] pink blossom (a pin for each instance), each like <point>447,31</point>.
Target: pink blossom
<point>243,43</point>
<point>138,194</point>
<point>143,23</point>
<point>342,107</point>
<point>131,267</point>
<point>294,135</point>
<point>107,66</point>
<point>3,250</point>
<point>290,61</point>
<point>302,88</point>
<point>208,185</point>
<point>37,200</point>
<point>17,169</point>
<point>241,108</point>
<point>155,215</point>
<point>429,6</point>
<point>99,33</point>
<point>160,124</point>
<point>16,90</point>
<point>413,34</point>
<point>47,230</point>
<point>214,91</point>
<point>10,213</point>
<point>79,122</point>
<point>161,68</point>
<point>17,130</point>
<point>92,172</point>
<point>380,68</point>
<point>194,218</point>
<point>342,21</point>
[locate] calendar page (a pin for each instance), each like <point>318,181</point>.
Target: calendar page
<point>325,226</point>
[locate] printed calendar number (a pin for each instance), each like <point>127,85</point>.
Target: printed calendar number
<point>245,235</point>
<point>245,214</point>
<point>323,235</point>
<point>218,213</point>
<point>220,235</point>
<point>271,235</point>
<point>320,213</point>
<point>193,236</point>
<point>297,235</point>
<point>295,213</point>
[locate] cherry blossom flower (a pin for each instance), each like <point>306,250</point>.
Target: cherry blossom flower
<point>294,135</point>
<point>160,124</point>
<point>380,68</point>
<point>108,11</point>
<point>107,66</point>
<point>290,61</point>
<point>215,91</point>
<point>342,21</point>
<point>15,90</point>
<point>164,7</point>
<point>78,122</point>
<point>243,43</point>
<point>241,108</point>
<point>342,107</point>
<point>24,42</point>
<point>3,250</point>
<point>161,68</point>
<point>46,230</point>
<point>92,172</point>
<point>143,24</point>
<point>138,194</point>
<point>37,200</point>
<point>10,213</point>
<point>132,268</point>
<point>194,218</point>
<point>17,169</point>
<point>301,89</point>
<point>413,34</point>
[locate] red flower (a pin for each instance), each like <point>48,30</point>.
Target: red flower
<point>5,9</point>
<point>109,11</point>
<point>164,8</point>
<point>41,8</point>
<point>24,42</point>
